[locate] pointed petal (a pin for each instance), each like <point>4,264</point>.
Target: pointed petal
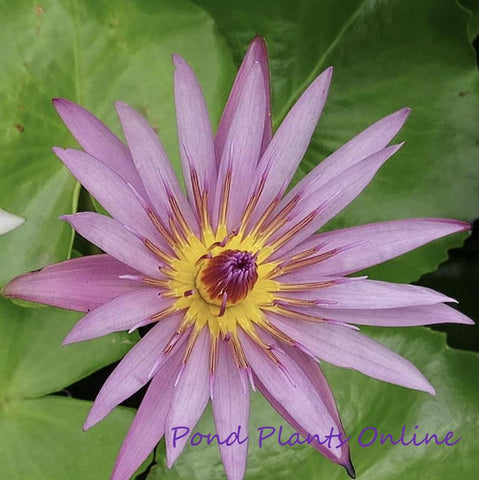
<point>332,198</point>
<point>132,372</point>
<point>148,427</point>
<point>373,294</point>
<point>96,139</point>
<point>121,313</point>
<point>396,317</point>
<point>304,432</point>
<point>257,52</point>
<point>242,146</point>
<point>9,221</point>
<point>313,371</point>
<point>190,397</point>
<point>231,412</point>
<point>152,164</point>
<point>80,284</point>
<point>195,137</point>
<point>301,401</point>
<point>113,238</point>
<point>350,349</point>
<point>289,143</point>
<point>111,191</point>
<point>374,138</point>
<point>375,243</point>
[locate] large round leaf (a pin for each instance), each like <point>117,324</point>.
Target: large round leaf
<point>42,439</point>
<point>386,55</point>
<point>363,403</point>
<point>93,53</point>
<point>41,436</point>
<point>33,361</point>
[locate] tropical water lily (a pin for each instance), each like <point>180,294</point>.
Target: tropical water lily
<point>9,221</point>
<point>238,289</point>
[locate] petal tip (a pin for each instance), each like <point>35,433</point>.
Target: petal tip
<point>8,291</point>
<point>349,467</point>
<point>327,74</point>
<point>65,218</point>
<point>398,118</point>
<point>59,102</point>
<point>169,461</point>
<point>58,151</point>
<point>465,225</point>
<point>94,416</point>
<point>258,50</point>
<point>426,387</point>
<point>258,39</point>
<point>16,287</point>
<point>401,116</point>
<point>88,424</point>
<point>68,340</point>
<point>119,105</point>
<point>178,60</point>
<point>450,300</point>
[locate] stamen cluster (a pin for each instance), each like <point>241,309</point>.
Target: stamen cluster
<point>228,277</point>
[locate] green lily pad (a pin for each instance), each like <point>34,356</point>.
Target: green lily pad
<point>472,6</point>
<point>42,439</point>
<point>33,361</point>
<point>93,53</point>
<point>41,435</point>
<point>366,404</point>
<point>386,55</point>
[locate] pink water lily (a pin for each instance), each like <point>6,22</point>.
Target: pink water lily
<point>239,290</point>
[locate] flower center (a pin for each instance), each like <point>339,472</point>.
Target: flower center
<point>227,278</point>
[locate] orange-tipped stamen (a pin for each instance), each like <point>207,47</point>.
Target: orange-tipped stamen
<point>298,287</point>
<point>160,227</point>
<point>266,349</point>
<point>225,195</point>
<point>296,302</point>
<point>238,352</point>
<point>213,357</point>
<point>299,315</point>
<point>197,197</point>
<point>293,231</point>
<point>278,220</point>
<point>165,312</point>
<point>157,251</point>
<point>179,234</point>
<point>191,343</point>
<point>264,217</point>
<point>155,282</point>
<point>251,205</point>
<point>304,262</point>
<point>178,215</point>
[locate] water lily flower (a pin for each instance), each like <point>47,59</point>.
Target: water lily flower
<point>9,221</point>
<point>238,289</point>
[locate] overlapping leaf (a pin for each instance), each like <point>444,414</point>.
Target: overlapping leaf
<point>41,436</point>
